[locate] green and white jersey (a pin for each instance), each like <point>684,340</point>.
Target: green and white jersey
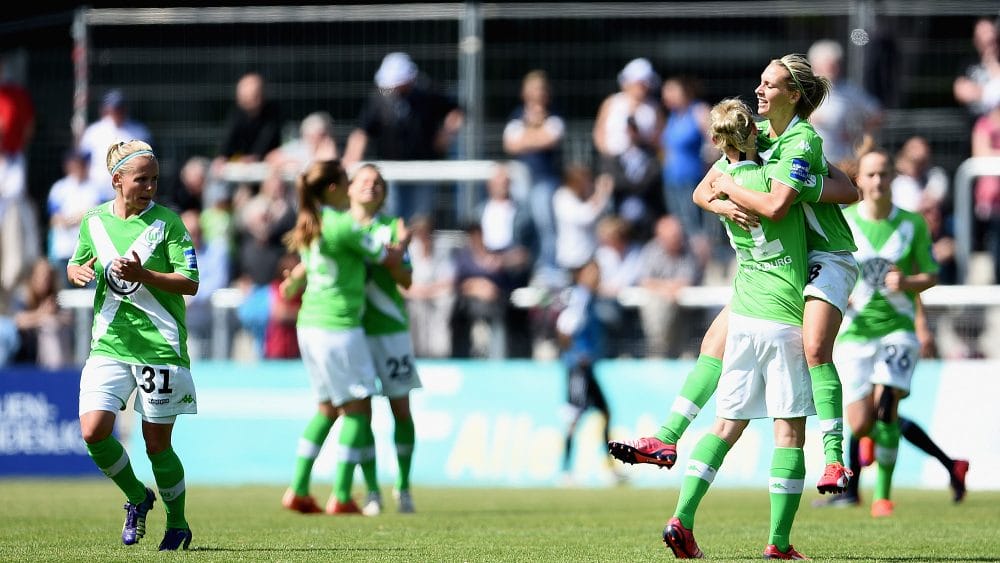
<point>385,306</point>
<point>771,257</point>
<point>901,240</point>
<point>132,322</point>
<point>334,297</point>
<point>792,158</point>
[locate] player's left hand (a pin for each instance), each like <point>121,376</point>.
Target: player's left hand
<point>129,269</point>
<point>894,279</point>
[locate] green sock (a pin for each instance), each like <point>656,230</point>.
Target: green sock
<point>351,441</point>
<point>697,389</point>
<point>112,459</point>
<point>405,437</point>
<point>309,445</point>
<point>886,438</point>
<point>368,469</point>
<point>828,394</point>
<point>701,469</point>
<point>788,473</point>
<point>169,475</point>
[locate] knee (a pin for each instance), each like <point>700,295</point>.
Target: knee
<point>816,350</point>
<point>93,434</point>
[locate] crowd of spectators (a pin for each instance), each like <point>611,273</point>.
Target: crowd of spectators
<point>630,211</point>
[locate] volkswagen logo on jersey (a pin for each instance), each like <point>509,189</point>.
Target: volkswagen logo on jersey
<point>873,271</point>
<point>118,285</point>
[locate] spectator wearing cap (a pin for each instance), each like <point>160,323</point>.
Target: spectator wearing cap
<point>114,126</point>
<point>70,197</point>
<point>627,136</point>
<point>404,119</point>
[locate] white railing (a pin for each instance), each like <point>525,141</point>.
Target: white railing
<point>226,301</point>
<point>965,219</point>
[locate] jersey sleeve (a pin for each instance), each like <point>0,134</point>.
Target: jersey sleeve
<point>84,245</point>
<point>180,250</point>
<point>340,232</point>
<point>799,151</point>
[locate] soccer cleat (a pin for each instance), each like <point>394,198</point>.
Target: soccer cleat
<point>305,504</point>
<point>680,540</point>
<point>882,508</point>
<point>644,450</point>
<point>958,470</point>
<point>839,500</point>
<point>176,538</point>
<point>772,552</point>
<point>834,479</point>
<point>404,502</point>
<point>342,508</point>
<point>373,506</point>
<point>135,518</point>
<point>866,451</point>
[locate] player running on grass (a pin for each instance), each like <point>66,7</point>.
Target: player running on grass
<point>334,251</point>
<point>144,262</point>
<point>877,349</point>
<point>764,368</point>
<point>787,95</point>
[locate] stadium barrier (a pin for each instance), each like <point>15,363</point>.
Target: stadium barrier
<point>965,217</point>
<point>478,423</point>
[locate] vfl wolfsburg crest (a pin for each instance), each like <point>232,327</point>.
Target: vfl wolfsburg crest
<point>873,271</point>
<point>118,285</point>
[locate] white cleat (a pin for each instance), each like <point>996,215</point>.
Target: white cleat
<point>373,506</point>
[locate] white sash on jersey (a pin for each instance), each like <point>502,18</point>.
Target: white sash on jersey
<point>142,299</point>
<point>381,301</point>
<point>893,249</point>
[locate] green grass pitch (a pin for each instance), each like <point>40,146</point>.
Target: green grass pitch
<point>80,520</point>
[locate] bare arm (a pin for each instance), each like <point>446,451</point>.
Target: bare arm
<point>599,123</point>
<point>295,280</point>
<point>896,280</point>
<point>928,348</point>
<point>838,188</point>
<point>132,270</point>
<point>704,197</point>
<point>774,204</point>
<point>357,141</point>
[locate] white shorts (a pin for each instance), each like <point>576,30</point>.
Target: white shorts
<point>832,276</point>
<point>164,391</point>
<point>394,363</point>
<point>889,360</point>
<point>764,372</point>
<point>339,364</point>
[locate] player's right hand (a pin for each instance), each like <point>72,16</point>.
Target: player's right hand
<point>81,275</point>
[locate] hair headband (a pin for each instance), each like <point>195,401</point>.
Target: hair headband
<point>129,157</point>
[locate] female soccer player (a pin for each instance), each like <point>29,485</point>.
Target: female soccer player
<point>877,349</point>
<point>334,253</point>
<point>787,95</point>
<point>764,362</point>
<point>387,328</point>
<point>144,262</point>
